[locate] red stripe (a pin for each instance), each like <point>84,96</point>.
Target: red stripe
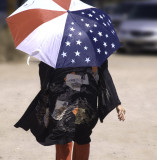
<point>63,3</point>
<point>24,23</point>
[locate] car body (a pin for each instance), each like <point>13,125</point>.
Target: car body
<point>120,12</point>
<point>139,31</point>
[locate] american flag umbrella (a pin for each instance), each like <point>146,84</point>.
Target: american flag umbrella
<point>63,33</point>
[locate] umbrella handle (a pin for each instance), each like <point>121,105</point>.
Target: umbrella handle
<point>28,59</point>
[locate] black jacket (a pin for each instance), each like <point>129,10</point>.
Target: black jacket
<point>107,95</point>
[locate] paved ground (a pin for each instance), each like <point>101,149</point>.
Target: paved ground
<point>135,78</point>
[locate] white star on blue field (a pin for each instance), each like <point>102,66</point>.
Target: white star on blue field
<point>89,39</point>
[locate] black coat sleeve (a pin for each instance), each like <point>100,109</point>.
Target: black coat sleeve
<point>45,74</point>
<point>107,96</point>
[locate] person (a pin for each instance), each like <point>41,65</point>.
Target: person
<point>68,106</point>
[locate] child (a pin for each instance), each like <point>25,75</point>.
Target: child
<point>66,109</point>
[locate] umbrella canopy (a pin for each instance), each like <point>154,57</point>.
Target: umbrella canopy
<point>63,33</point>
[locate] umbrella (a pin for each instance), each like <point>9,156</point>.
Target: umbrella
<point>63,33</point>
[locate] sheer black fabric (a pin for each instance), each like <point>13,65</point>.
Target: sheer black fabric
<point>66,108</point>
<point>107,98</point>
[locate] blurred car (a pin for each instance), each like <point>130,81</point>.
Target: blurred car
<point>139,31</point>
<point>120,12</point>
<point>90,2</point>
<point>3,12</point>
<point>109,8</point>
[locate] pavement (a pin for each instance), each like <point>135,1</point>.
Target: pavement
<point>135,78</point>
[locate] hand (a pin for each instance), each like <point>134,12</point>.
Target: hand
<point>121,112</point>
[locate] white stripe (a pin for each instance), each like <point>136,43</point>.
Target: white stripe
<point>41,4</point>
<point>78,5</point>
<point>45,41</point>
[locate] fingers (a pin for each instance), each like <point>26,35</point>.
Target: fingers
<point>121,112</point>
<point>121,115</point>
